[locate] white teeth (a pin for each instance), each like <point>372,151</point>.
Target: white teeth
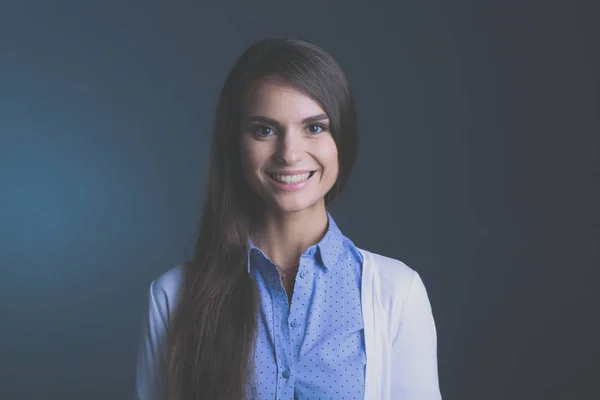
<point>291,178</point>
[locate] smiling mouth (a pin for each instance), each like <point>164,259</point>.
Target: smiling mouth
<point>291,179</point>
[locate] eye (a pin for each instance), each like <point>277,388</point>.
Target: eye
<point>316,128</point>
<point>261,130</point>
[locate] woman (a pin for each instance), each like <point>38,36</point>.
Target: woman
<point>277,303</point>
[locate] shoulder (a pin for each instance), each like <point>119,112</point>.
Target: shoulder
<point>165,290</point>
<point>392,287</point>
<point>387,268</point>
<point>389,279</point>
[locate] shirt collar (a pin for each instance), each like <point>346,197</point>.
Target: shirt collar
<point>251,248</point>
<point>328,249</point>
<point>331,245</point>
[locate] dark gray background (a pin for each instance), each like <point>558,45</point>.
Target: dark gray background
<point>478,167</point>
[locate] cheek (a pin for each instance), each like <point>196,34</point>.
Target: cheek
<point>329,157</point>
<point>249,157</point>
<point>254,158</point>
<point>246,162</point>
<point>335,169</point>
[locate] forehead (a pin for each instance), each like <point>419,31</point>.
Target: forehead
<point>278,101</point>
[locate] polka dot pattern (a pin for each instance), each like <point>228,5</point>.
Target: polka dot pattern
<point>313,348</point>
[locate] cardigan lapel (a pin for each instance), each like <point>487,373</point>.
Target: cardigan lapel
<point>370,329</point>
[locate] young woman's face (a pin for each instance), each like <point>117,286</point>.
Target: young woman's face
<point>288,154</point>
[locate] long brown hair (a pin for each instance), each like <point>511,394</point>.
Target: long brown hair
<point>212,337</point>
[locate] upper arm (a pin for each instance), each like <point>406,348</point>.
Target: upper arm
<point>150,382</point>
<point>414,348</point>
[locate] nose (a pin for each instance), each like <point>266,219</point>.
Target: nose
<point>290,147</point>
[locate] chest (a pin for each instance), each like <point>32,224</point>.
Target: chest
<point>310,334</point>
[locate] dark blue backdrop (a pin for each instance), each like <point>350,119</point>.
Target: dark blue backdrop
<point>478,167</point>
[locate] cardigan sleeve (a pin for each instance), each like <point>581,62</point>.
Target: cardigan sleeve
<point>150,382</point>
<point>414,348</point>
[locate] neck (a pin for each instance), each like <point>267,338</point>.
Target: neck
<point>285,236</point>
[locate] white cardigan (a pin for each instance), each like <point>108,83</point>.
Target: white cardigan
<point>400,334</point>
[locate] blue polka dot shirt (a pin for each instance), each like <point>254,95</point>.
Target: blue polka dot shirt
<point>313,349</point>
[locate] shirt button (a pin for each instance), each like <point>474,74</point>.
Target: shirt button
<point>294,323</point>
<point>285,374</point>
<point>303,274</point>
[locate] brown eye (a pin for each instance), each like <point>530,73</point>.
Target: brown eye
<point>261,130</point>
<point>316,128</point>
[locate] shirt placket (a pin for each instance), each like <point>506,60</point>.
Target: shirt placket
<point>285,359</point>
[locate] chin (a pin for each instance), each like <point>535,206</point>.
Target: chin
<point>294,206</point>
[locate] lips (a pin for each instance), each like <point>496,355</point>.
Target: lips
<point>291,172</point>
<point>291,177</point>
<point>291,182</point>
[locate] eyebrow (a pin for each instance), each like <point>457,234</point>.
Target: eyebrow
<point>270,121</point>
<point>315,118</point>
